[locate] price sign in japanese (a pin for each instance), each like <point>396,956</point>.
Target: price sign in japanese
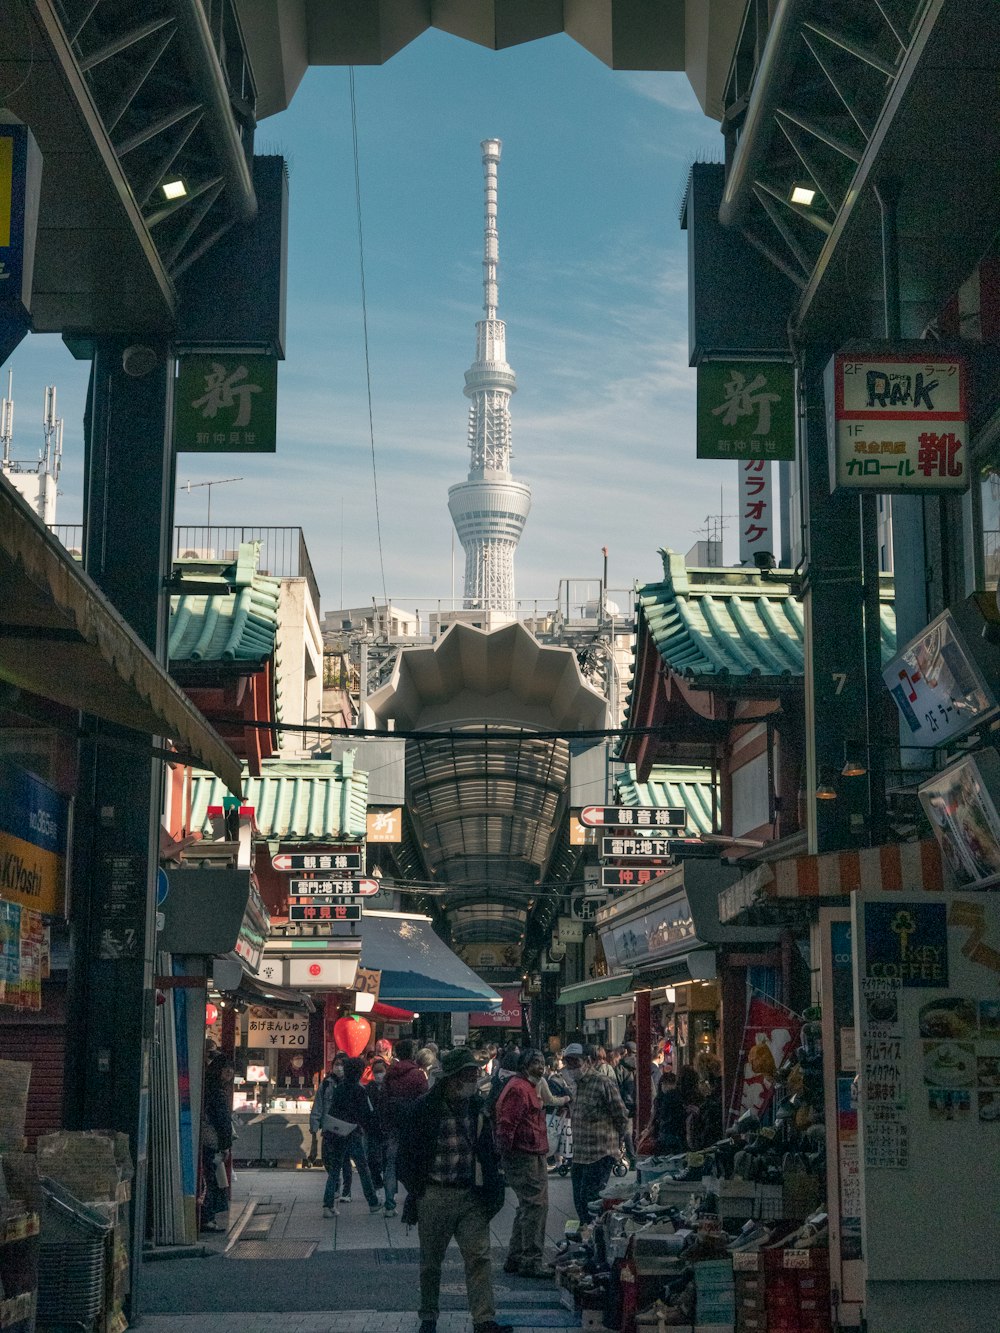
<point>633,816</point>
<point>898,421</point>
<point>332,860</point>
<point>644,849</point>
<point>334,912</point>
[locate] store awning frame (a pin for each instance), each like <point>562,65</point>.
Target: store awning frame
<point>419,971</point>
<point>61,639</point>
<point>697,965</point>
<point>265,995</point>
<point>604,988</point>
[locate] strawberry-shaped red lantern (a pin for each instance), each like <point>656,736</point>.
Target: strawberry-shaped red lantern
<point>351,1034</point>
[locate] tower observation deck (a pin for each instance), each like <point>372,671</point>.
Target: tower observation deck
<point>490,509</point>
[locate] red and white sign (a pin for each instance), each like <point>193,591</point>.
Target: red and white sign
<point>898,422</point>
<point>756,509</point>
<point>508,1015</point>
<point>633,816</point>
<point>330,858</point>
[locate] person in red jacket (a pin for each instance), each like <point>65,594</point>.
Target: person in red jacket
<point>524,1147</point>
<point>405,1081</point>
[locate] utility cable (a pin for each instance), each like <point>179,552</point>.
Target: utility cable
<point>364,321</point>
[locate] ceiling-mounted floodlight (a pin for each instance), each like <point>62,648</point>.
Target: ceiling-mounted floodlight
<point>802,194</point>
<point>175,189</point>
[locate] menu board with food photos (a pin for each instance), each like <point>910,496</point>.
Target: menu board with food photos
<point>927,1000</point>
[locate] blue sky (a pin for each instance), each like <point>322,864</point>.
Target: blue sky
<point>592,286</point>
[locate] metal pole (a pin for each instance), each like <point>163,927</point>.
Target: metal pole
<point>643,1061</point>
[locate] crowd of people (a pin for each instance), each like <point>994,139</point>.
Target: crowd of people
<point>459,1128</point>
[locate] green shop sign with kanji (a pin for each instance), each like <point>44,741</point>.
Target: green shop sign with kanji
<point>746,409</point>
<point>226,404</point>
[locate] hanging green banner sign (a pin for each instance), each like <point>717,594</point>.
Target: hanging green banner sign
<point>746,409</point>
<point>226,404</point>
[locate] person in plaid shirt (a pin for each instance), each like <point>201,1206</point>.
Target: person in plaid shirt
<point>599,1121</point>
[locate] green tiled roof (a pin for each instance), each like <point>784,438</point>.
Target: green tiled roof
<point>308,801</point>
<point>731,623</point>
<point>237,626</point>
<point>687,787</point>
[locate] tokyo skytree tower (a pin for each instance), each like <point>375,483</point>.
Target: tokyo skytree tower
<point>490,509</point>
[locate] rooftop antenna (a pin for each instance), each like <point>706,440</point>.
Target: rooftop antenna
<point>7,420</point>
<point>190,486</point>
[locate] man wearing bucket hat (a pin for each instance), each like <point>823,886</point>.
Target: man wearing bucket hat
<point>448,1163</point>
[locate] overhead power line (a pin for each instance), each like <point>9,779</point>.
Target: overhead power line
<point>364,322</point>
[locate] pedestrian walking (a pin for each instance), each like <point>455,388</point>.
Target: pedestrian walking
<point>448,1162</point>
<point>216,1140</point>
<point>379,1137</point>
<point>427,1059</point>
<point>599,1121</point>
<point>523,1140</point>
<point>344,1114</point>
<point>404,1084</point>
<point>625,1073</point>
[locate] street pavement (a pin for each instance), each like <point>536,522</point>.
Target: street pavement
<point>356,1273</point>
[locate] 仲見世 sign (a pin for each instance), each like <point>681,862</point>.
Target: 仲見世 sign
<point>226,403</point>
<point>897,422</point>
<point>746,409</point>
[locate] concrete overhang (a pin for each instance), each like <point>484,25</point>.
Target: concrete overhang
<point>285,37</point>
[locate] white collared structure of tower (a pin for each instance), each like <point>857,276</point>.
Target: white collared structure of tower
<point>490,509</point>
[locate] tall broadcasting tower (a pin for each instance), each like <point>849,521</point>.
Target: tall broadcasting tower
<point>490,509</point>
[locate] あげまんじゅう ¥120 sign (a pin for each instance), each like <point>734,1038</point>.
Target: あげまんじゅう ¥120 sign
<point>226,403</point>
<point>897,422</point>
<point>274,1031</point>
<point>746,409</point>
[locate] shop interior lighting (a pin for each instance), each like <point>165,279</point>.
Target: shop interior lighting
<point>825,790</point>
<point>802,194</point>
<point>175,189</point>
<point>854,767</point>
<point>671,995</point>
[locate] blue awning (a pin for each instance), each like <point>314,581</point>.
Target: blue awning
<point>418,969</point>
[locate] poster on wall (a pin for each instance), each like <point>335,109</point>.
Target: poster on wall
<point>927,996</point>
<point>960,806</point>
<point>771,1032</point>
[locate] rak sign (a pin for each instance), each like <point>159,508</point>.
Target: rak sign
<point>898,422</point>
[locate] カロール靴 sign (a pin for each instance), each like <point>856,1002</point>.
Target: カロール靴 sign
<point>897,422</point>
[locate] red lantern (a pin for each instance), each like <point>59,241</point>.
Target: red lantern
<point>211,1015</point>
<point>351,1034</point>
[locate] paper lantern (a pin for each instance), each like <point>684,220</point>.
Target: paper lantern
<point>211,1014</point>
<point>351,1034</point>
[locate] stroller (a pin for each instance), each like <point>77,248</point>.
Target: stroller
<point>561,1147</point>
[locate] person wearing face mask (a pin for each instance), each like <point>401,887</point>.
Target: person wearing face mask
<point>599,1121</point>
<point>379,1136</point>
<point>320,1108</point>
<point>448,1162</point>
<point>524,1146</point>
